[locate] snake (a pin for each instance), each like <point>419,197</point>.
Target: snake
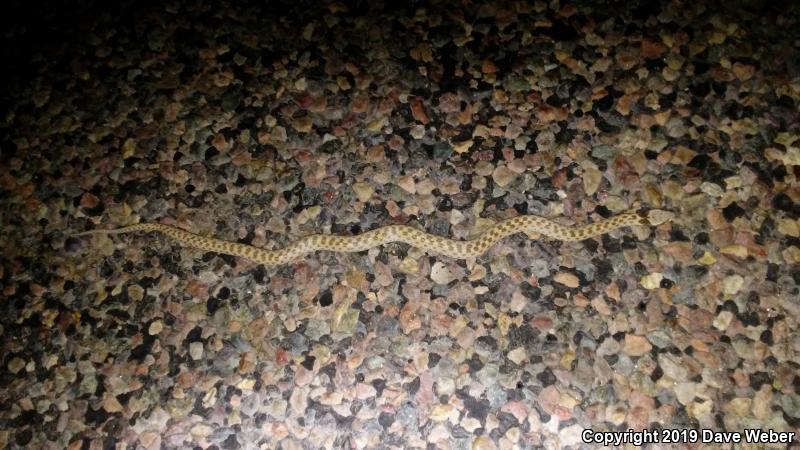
<point>532,225</point>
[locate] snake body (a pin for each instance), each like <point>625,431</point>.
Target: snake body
<point>529,224</point>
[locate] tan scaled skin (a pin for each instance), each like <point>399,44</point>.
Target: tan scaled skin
<point>529,224</point>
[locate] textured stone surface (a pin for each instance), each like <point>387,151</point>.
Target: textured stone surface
<point>266,123</point>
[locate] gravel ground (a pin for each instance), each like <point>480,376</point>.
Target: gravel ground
<point>265,123</point>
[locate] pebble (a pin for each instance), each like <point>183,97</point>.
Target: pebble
<point>652,281</point>
<point>567,279</point>
<point>672,367</point>
<point>723,320</point>
<point>463,146</point>
<point>791,255</point>
<point>790,403</point>
<point>363,191</point>
<point>739,406</point>
<point>196,350</point>
<point>712,189</point>
<point>441,273</point>
<point>636,345</point>
<point>408,184</point>
<point>591,180</point>
<point>707,259</point>
<point>483,443</point>
<point>302,124</point>
<point>277,409</point>
<point>155,327</point>
<point>417,131</point>
<point>383,274</point>
<point>517,355</point>
<point>365,391</point>
<point>732,284</point>
<point>445,386</point>
<point>16,364</point>
<point>503,176</point>
<point>571,435</point>
<point>685,392</point>
<point>278,135</point>
<point>418,111</point>
<point>483,168</point>
<point>331,398</point>
<point>298,400</point>
<point>136,293</point>
<point>111,404</point>
<point>739,251</point>
<point>743,72</point>
<point>442,412</point>
<point>789,227</point>
<point>201,431</point>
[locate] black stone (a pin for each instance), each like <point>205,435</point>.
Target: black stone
<point>782,202</point>
<point>603,211</point>
<point>701,238</point>
<point>700,162</point>
<point>326,299</point>
<point>658,372</point>
<point>700,90</point>
<point>732,211</point>
<point>412,387</point>
<point>523,335</point>
<point>260,274</point>
<point>546,377</point>
<point>379,385</point>
<point>749,319</point>
<point>488,341</point>
<point>24,437</point>
<point>195,335</point>
<point>230,443</point>
<point>140,352</point>
<point>386,419</point>
<point>210,153</point>
<point>240,181</point>
<point>603,269</point>
<point>628,243</point>
<point>758,379</point>
<point>224,293</point>
<point>476,408</point>
<point>676,234</point>
<point>610,245</point>
<point>559,31</point>
<point>606,103</point>
<point>445,204</point>
<point>606,127</point>
<point>475,364</point>
<point>96,416</point>
<point>530,291</point>
<point>308,362</point>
